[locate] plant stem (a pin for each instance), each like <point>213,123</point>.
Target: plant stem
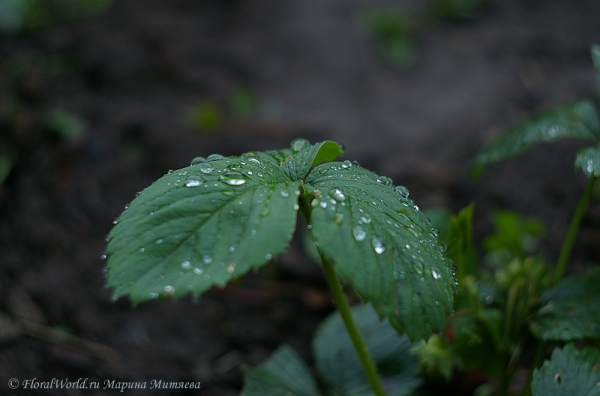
<point>359,344</point>
<point>567,247</point>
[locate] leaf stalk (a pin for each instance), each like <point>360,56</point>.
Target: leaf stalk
<point>569,242</point>
<point>359,343</point>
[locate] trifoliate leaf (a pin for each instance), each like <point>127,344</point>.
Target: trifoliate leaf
<point>570,311</point>
<point>578,120</point>
<point>570,371</point>
<point>283,374</point>
<point>379,240</point>
<point>588,159</point>
<point>340,367</point>
<point>210,222</point>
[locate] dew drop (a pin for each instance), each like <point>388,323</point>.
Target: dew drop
<point>228,192</point>
<point>206,259</point>
<point>116,221</point>
<point>186,264</point>
<point>337,194</point>
<point>253,234</point>
<point>323,204</point>
<point>309,226</point>
<point>231,268</point>
<point>233,178</point>
<point>103,257</point>
<point>215,157</point>
<point>403,191</point>
<point>264,211</point>
<point>417,266</point>
<point>168,290</point>
<point>314,203</point>
<point>153,295</point>
<point>207,277</point>
<point>338,218</point>
<point>365,219</point>
<point>231,249</point>
<point>296,206</point>
<point>268,256</point>
<point>158,241</point>
<point>206,168</point>
<point>346,164</point>
<point>386,181</point>
<point>453,269</point>
<point>435,272</point>
<point>299,144</point>
<point>359,233</point>
<point>285,193</point>
<point>142,250</point>
<point>107,239</point>
<point>377,244</point>
<point>193,181</point>
<point>198,271</point>
<point>198,160</point>
<point>254,160</point>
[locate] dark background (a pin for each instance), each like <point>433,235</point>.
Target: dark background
<point>135,73</point>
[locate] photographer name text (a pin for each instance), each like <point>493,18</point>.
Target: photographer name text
<point>86,383</point>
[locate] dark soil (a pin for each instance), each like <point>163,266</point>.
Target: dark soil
<point>134,73</point>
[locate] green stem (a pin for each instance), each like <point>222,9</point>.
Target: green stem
<point>359,344</point>
<point>567,247</point>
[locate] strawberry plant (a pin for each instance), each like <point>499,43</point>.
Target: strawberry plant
<point>519,301</point>
<point>220,217</point>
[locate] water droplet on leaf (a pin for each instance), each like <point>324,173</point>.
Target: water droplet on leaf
<point>233,178</point>
<point>403,191</point>
<point>198,160</point>
<point>359,233</point>
<point>285,193</point>
<point>168,290</point>
<point>337,194</point>
<point>186,264</point>
<point>193,181</point>
<point>206,168</point>
<point>198,271</point>
<point>435,272</point>
<point>377,244</point>
<point>386,181</point>
<point>417,266</point>
<point>299,144</point>
<point>231,268</point>
<point>215,157</point>
<point>346,164</point>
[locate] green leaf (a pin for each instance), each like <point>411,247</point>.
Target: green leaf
<point>514,237</point>
<point>596,56</point>
<point>578,120</point>
<point>208,223</point>
<point>596,60</point>
<point>588,159</point>
<point>379,240</point>
<point>339,365</point>
<point>570,311</point>
<point>283,374</point>
<point>570,371</point>
<point>460,243</point>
